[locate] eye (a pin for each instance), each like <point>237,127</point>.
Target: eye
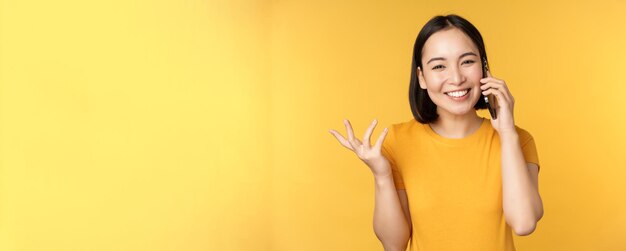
<point>437,67</point>
<point>469,61</point>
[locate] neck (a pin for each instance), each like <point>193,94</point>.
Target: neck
<point>456,126</point>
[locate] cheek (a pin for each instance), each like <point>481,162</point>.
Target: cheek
<point>433,81</point>
<point>475,77</point>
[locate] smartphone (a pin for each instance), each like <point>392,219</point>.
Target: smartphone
<point>489,99</point>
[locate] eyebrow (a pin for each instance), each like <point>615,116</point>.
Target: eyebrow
<point>462,55</point>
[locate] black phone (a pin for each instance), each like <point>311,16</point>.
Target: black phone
<point>489,99</point>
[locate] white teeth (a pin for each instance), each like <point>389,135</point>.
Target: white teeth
<point>458,93</point>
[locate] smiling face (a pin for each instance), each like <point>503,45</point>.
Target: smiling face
<point>451,72</point>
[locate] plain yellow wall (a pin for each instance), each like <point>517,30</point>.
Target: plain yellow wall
<point>203,125</point>
<point>135,125</point>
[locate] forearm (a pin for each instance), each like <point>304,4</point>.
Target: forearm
<point>390,225</point>
<point>521,201</point>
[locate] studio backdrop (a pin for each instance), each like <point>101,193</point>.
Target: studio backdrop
<point>203,125</point>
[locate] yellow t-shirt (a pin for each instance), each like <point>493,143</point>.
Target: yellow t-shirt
<point>454,186</point>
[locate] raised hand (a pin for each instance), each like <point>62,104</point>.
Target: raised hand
<point>369,154</point>
<point>504,123</point>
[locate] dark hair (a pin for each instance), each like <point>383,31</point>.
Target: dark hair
<point>423,108</point>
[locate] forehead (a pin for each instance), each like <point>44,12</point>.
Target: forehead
<point>449,43</point>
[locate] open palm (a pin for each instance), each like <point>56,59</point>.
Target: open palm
<point>369,154</point>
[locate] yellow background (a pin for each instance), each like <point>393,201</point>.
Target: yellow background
<point>203,125</point>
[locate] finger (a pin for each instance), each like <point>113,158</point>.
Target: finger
<point>491,79</point>
<point>368,134</point>
<point>356,145</point>
<point>488,73</point>
<point>344,142</point>
<point>502,100</point>
<point>351,139</point>
<point>490,85</point>
<point>502,87</point>
<point>494,85</point>
<point>358,142</point>
<point>486,86</point>
<point>353,145</point>
<point>349,129</point>
<point>508,93</point>
<point>381,138</point>
<point>495,92</point>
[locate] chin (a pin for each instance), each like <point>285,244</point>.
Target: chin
<point>462,112</point>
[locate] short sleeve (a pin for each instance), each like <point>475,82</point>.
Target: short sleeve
<point>529,149</point>
<point>388,152</point>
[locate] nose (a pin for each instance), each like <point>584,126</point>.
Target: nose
<point>456,76</point>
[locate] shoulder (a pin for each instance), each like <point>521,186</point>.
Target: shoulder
<point>405,132</point>
<point>405,126</point>
<point>524,135</point>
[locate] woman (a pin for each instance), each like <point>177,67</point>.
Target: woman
<point>449,179</point>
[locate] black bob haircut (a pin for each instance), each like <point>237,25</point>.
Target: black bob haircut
<point>422,107</point>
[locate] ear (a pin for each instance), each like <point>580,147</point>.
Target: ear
<point>420,78</point>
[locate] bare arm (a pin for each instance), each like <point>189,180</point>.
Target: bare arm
<point>391,221</point>
<point>404,201</point>
<point>521,201</point>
